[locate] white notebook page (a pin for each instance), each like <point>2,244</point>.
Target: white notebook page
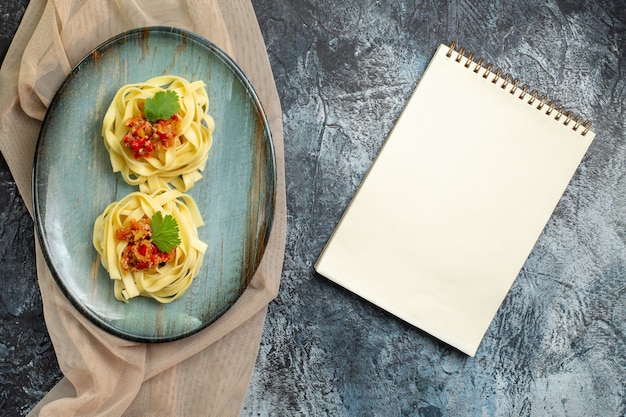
<point>454,203</point>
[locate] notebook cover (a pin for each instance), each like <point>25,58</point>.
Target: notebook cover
<point>455,201</point>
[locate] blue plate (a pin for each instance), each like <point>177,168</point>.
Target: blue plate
<point>73,183</point>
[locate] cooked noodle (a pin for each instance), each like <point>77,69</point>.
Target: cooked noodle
<point>164,283</point>
<point>179,165</point>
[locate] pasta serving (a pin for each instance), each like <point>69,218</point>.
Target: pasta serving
<point>167,148</point>
<point>125,236</point>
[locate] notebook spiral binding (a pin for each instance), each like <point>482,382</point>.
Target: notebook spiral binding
<point>513,84</point>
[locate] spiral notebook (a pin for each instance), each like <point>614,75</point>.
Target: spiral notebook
<point>456,199</point>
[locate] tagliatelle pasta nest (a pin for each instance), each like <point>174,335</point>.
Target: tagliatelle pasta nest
<point>120,227</point>
<point>180,164</point>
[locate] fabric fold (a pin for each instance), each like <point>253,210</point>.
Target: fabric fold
<point>207,373</point>
<point>44,66</point>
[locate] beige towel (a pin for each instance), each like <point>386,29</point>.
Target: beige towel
<point>207,373</point>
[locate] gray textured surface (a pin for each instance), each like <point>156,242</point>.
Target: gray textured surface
<point>344,70</point>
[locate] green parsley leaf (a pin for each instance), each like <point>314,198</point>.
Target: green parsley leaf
<point>164,232</point>
<point>162,106</point>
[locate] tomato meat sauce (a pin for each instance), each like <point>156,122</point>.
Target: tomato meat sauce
<point>145,137</point>
<point>140,254</point>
